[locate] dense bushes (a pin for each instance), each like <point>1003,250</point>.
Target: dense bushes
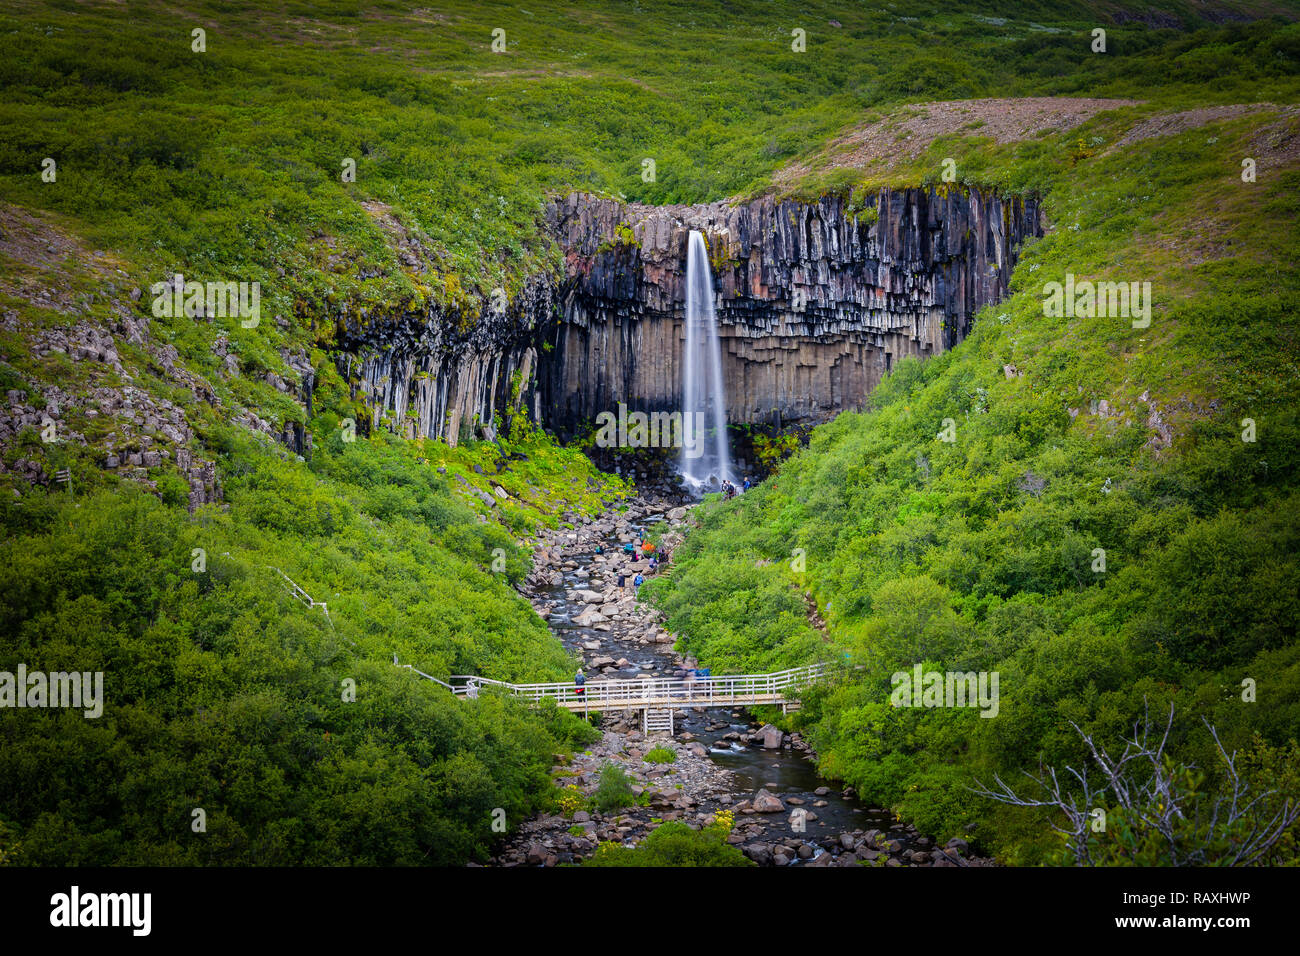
<point>1054,542</point>
<point>225,694</point>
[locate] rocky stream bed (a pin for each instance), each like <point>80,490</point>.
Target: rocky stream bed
<point>784,814</point>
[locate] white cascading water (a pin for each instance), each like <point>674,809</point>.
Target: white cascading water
<point>704,397</point>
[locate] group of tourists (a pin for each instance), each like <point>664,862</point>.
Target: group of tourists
<point>637,549</point>
<point>729,490</point>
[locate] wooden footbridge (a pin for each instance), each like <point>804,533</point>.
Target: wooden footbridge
<point>657,697</point>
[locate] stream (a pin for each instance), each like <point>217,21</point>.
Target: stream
<point>720,761</point>
<point>781,772</point>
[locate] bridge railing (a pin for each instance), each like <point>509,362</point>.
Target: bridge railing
<point>668,690</point>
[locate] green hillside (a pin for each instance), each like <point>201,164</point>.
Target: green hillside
<point>1071,434</point>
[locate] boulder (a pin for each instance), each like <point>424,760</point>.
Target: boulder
<point>765,802</point>
<point>760,853</point>
<point>770,736</point>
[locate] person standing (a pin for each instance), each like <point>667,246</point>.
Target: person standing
<point>637,582</point>
<point>579,682</point>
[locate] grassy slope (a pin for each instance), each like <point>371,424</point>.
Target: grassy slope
<point>978,555</point>
<point>226,164</point>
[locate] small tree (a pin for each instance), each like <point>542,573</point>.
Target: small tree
<point>1161,814</point>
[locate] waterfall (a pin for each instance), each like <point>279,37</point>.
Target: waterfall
<point>705,461</point>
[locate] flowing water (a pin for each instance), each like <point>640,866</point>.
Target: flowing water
<point>704,396</point>
<point>782,772</point>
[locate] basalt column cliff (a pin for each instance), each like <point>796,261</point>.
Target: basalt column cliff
<point>816,301</point>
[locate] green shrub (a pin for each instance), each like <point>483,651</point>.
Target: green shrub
<point>614,789</point>
<point>661,755</point>
<point>673,844</point>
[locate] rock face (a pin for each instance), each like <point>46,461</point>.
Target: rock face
<point>447,374</point>
<point>815,302</point>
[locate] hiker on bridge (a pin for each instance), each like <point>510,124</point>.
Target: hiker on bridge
<point>579,679</point>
